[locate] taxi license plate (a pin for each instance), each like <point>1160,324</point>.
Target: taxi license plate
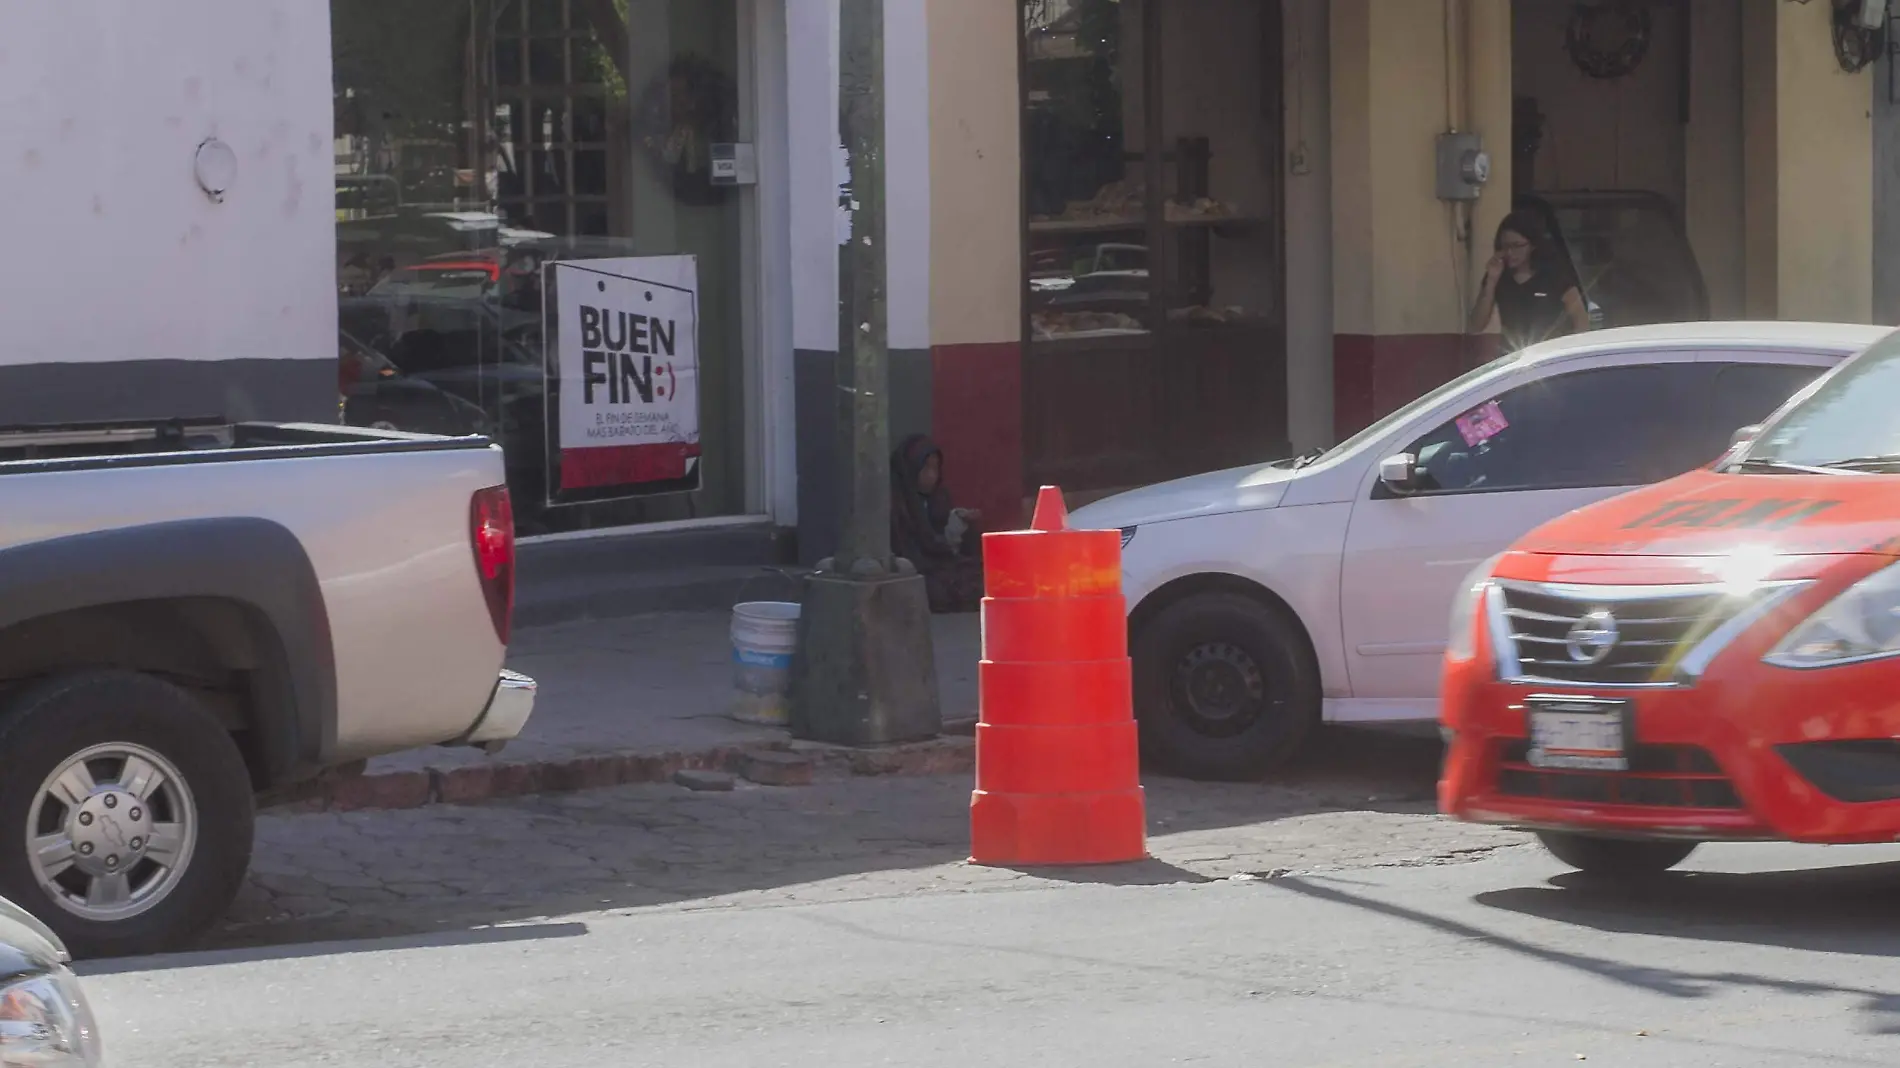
<point>1582,735</point>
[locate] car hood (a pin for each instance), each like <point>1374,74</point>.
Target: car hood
<point>1708,514</point>
<point>1236,489</point>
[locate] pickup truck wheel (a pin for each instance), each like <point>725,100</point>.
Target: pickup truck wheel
<point>1225,687</point>
<point>1620,858</point>
<point>126,812</point>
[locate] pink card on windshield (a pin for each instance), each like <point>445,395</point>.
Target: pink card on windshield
<point>1482,423</point>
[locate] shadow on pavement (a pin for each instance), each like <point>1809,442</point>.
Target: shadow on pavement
<point>1150,872</point>
<point>478,936</point>
<point>352,875</point>
<point>1342,769</point>
<point>1846,909</point>
<point>1882,1005</point>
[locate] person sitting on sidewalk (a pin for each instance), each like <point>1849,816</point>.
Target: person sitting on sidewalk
<point>941,541</point>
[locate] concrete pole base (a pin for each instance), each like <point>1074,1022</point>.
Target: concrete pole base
<point>865,672</point>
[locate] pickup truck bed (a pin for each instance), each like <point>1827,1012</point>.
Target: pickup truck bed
<point>192,613</point>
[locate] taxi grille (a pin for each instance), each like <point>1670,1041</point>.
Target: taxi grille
<point>1652,632</point>
<point>1660,776</point>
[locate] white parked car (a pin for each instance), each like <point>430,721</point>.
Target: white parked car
<point>1265,600</point>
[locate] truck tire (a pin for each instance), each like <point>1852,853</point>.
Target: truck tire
<point>126,812</point>
<point>1225,687</point>
<point>1617,858</point>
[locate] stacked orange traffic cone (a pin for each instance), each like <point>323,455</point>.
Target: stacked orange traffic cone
<point>1057,772</point>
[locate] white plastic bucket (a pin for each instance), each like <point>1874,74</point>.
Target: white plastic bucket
<point>764,635</point>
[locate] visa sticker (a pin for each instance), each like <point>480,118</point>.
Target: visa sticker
<point>1482,423</point>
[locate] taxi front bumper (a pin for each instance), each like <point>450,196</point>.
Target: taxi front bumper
<point>1759,754</point>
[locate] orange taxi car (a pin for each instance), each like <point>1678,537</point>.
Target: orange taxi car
<point>1716,657</point>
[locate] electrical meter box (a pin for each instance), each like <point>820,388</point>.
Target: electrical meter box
<point>1463,166</point>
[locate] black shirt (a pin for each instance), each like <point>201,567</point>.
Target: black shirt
<point>1532,310</point>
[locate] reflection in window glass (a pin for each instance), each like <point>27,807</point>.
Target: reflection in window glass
<point>547,62</point>
<point>1631,256</point>
<point>545,16</point>
<point>1088,262</point>
<point>1152,278</point>
<point>478,140</point>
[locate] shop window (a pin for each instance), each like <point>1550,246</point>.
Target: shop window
<point>479,141</point>
<point>1153,277</point>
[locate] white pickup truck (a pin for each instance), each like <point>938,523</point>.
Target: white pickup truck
<point>195,614</point>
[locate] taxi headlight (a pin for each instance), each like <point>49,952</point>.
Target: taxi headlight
<point>1463,642</point>
<point>45,1022</point>
<point>1863,623</point>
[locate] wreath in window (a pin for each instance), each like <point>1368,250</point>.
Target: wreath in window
<point>1608,38</point>
<point>681,114</point>
<point>1856,47</point>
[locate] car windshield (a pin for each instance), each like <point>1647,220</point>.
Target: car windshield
<point>1383,426</point>
<point>1848,421</point>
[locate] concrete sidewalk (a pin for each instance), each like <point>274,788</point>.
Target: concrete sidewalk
<point>638,699</point>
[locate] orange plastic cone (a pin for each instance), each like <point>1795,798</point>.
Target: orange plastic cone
<point>1057,763</point>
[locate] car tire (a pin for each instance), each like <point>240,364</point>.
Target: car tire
<point>1619,858</point>
<point>167,785</point>
<point>1226,687</point>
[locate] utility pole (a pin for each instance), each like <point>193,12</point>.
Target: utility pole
<point>865,672</point>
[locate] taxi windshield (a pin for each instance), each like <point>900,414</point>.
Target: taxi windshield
<point>1847,421</point>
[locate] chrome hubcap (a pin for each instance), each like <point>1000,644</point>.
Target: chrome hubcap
<point>111,831</point>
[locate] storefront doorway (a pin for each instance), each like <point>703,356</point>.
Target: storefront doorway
<point>1604,96</point>
<point>478,141</point>
<point>1153,237</point>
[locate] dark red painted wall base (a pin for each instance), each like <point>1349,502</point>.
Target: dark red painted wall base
<point>976,415</point>
<point>976,404</point>
<point>1374,375</point>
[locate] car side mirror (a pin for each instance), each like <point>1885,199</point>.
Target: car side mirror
<point>1399,472</point>
<point>1745,435</point>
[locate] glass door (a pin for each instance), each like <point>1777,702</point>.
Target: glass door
<point>480,141</point>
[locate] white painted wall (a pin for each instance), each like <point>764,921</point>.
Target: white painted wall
<point>907,193</point>
<point>811,93</point>
<point>812,119</point>
<point>115,252</point>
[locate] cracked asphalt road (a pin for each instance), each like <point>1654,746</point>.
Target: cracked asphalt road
<point>1364,801</point>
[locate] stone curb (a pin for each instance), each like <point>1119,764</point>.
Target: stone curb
<point>772,763</point>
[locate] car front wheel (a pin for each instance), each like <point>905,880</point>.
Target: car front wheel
<point>126,812</point>
<point>1225,687</point>
<point>1617,858</point>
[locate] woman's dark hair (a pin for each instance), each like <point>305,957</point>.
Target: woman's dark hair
<point>1526,225</point>
<point>1547,257</point>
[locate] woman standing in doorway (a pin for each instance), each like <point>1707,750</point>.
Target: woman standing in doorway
<point>1535,297</point>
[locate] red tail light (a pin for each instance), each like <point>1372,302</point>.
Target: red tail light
<point>492,530</point>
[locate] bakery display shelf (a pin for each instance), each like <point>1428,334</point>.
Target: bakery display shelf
<point>1089,335</point>
<point>1111,225</point>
